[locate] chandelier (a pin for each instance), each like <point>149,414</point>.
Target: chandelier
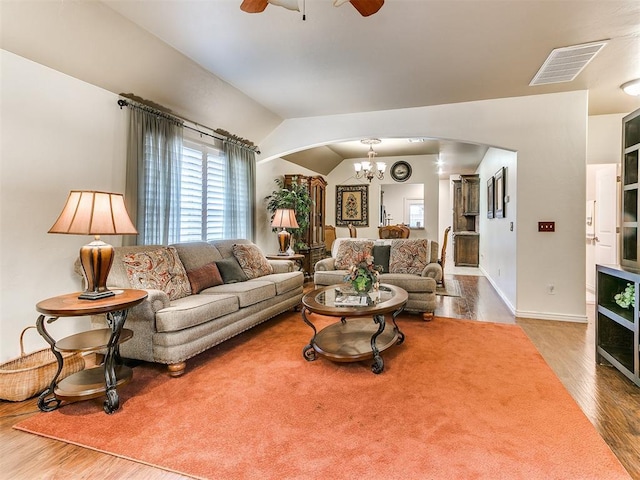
<point>364,169</point>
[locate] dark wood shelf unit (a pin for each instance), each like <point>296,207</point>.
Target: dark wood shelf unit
<point>630,199</point>
<point>617,332</point>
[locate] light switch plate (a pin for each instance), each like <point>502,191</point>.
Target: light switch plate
<point>546,226</point>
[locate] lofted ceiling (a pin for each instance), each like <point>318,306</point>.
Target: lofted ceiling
<point>411,53</point>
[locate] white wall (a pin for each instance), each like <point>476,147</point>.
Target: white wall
<point>423,172</point>
<point>548,132</point>
<point>58,134</point>
<point>498,246</point>
<point>395,200</point>
<point>604,147</point>
<point>604,139</point>
<point>445,216</point>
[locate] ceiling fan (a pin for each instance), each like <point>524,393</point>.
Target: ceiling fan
<point>365,7</point>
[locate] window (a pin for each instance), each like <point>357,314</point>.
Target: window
<point>202,192</point>
<point>414,213</point>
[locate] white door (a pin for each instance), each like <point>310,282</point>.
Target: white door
<point>606,215</point>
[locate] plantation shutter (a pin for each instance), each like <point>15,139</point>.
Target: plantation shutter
<point>202,196</point>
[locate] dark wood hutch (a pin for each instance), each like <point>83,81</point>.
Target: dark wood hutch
<point>314,235</point>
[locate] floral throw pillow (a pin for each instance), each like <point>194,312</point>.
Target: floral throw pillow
<point>159,269</point>
<point>251,260</point>
<point>408,256</point>
<point>350,253</point>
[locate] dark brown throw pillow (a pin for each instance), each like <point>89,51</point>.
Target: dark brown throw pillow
<point>381,254</point>
<point>204,277</point>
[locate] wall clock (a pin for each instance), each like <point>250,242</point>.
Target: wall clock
<point>401,171</point>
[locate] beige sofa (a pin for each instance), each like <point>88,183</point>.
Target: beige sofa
<point>412,265</point>
<point>170,331</point>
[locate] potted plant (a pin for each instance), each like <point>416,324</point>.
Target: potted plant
<point>295,196</point>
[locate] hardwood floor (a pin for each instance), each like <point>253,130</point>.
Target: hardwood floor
<point>608,399</point>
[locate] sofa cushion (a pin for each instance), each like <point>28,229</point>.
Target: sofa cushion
<point>204,277</point>
<point>381,254</point>
<point>159,269</point>
<point>408,256</point>
<point>194,310</point>
<point>248,293</point>
<point>285,282</point>
<point>231,270</point>
<point>350,253</point>
<point>252,261</point>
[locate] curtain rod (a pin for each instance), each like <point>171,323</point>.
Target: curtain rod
<point>214,134</point>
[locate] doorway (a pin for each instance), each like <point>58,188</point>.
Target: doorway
<point>601,220</point>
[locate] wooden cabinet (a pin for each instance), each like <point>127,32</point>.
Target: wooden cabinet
<point>617,333</point>
<point>466,208</point>
<point>466,249</point>
<point>313,237</point>
<point>470,195</point>
<point>630,198</point>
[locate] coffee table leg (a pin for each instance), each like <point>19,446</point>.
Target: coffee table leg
<point>378,363</point>
<point>395,325</point>
<point>308,352</point>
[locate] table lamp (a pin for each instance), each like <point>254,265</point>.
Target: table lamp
<point>95,213</point>
<point>284,218</point>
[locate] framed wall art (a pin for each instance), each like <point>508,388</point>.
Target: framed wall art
<point>500,190</point>
<point>352,205</point>
<point>490,197</point>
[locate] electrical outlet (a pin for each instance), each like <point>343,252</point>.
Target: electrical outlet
<point>551,289</point>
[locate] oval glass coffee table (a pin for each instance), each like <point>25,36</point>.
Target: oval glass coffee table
<point>362,331</point>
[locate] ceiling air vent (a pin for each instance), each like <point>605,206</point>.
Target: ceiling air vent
<point>565,64</point>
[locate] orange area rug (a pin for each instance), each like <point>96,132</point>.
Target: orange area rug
<point>457,400</point>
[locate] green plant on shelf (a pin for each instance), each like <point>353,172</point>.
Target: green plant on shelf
<point>628,297</point>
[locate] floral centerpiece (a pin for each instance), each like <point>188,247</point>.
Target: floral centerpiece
<point>363,275</point>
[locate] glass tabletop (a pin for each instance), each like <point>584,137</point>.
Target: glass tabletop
<point>342,297</point>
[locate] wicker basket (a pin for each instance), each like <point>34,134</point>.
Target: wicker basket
<point>30,374</point>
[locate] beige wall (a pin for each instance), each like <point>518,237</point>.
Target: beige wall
<point>58,134</point>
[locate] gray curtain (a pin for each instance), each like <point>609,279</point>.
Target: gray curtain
<point>153,176</point>
<point>240,195</point>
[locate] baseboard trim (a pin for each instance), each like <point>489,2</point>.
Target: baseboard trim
<point>502,296</point>
<point>560,317</point>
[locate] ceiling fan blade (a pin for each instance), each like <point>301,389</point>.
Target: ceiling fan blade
<point>367,7</point>
<point>288,4</point>
<point>253,6</point>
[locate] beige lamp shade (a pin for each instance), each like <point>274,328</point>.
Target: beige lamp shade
<point>285,218</point>
<point>95,213</point>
